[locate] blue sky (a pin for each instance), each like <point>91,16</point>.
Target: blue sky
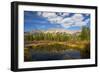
<point>38,20</point>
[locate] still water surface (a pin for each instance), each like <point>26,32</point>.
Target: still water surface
<point>68,54</point>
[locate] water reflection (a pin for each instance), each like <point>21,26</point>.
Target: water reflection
<point>68,54</point>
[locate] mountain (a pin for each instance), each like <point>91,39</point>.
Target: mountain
<point>62,31</point>
<point>54,31</point>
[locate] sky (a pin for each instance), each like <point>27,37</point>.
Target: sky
<point>39,20</point>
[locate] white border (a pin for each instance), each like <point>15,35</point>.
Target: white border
<point>22,64</point>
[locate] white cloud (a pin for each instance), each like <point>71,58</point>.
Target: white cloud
<point>49,14</point>
<point>77,17</point>
<point>75,20</point>
<point>81,23</point>
<point>51,17</point>
<point>58,18</point>
<point>67,20</point>
<point>39,13</point>
<point>65,14</point>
